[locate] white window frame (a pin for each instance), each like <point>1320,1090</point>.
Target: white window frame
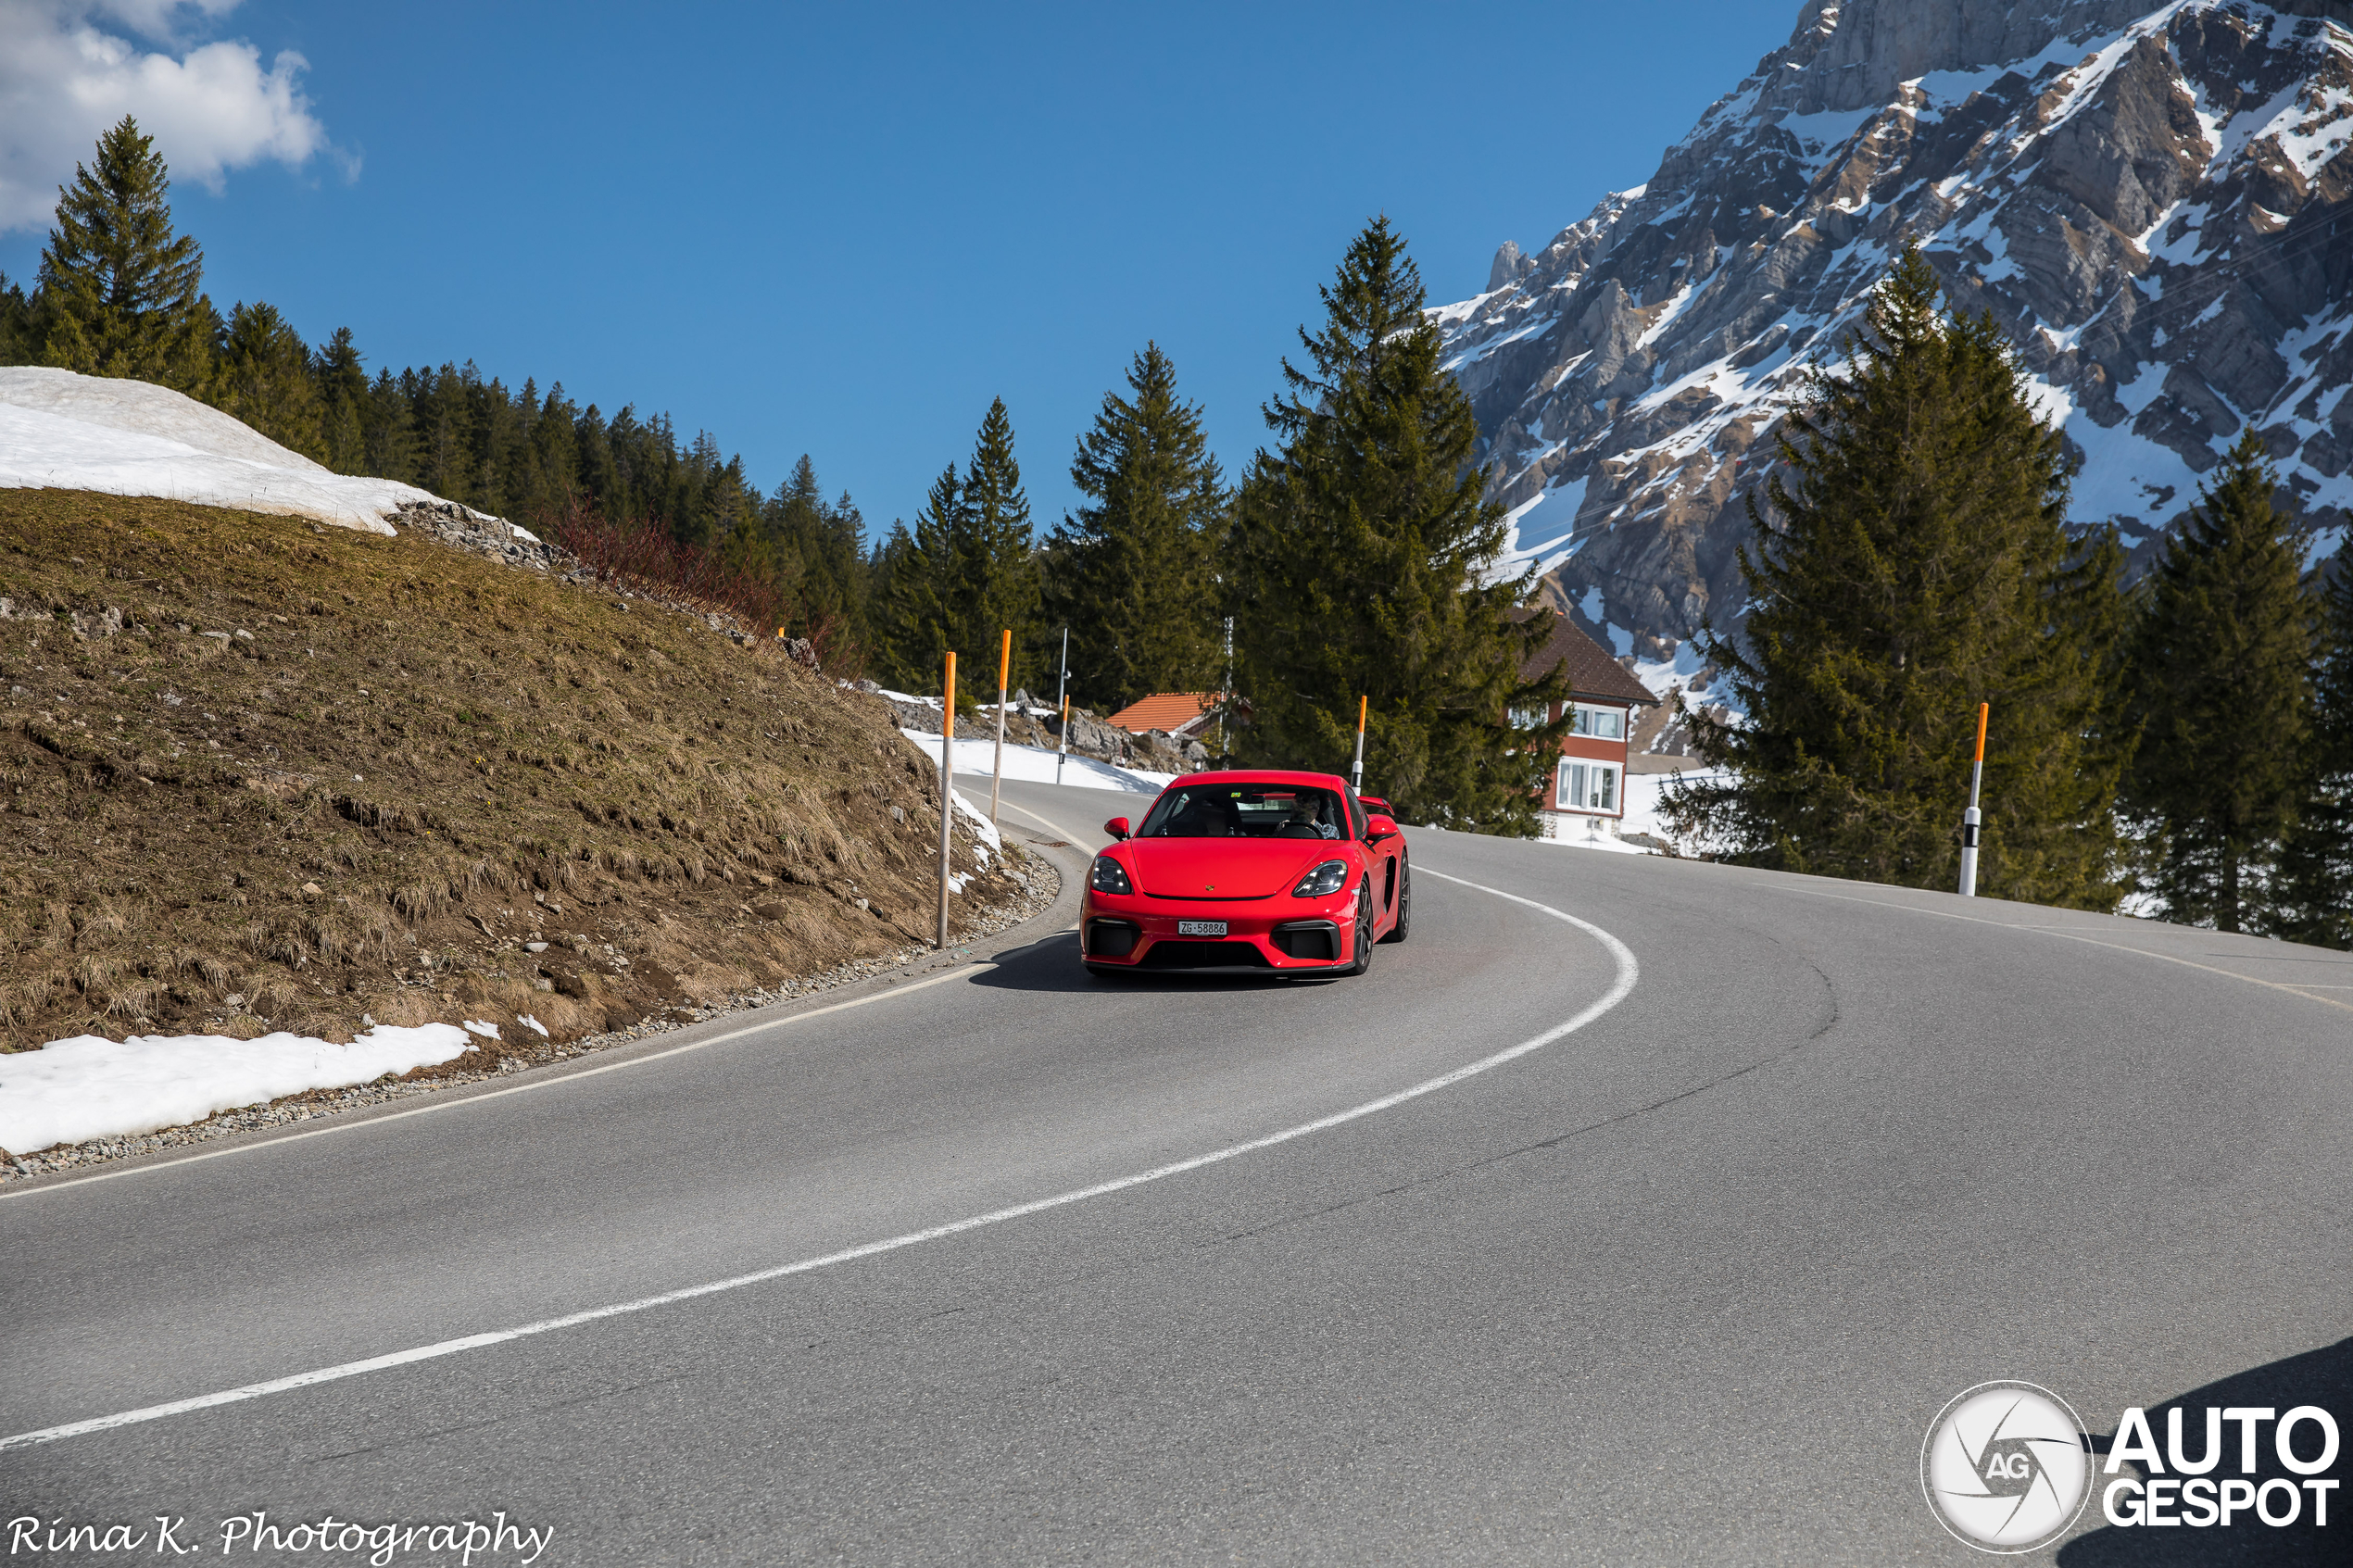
<point>1573,786</point>
<point>1584,715</point>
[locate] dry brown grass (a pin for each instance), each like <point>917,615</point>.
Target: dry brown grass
<point>414,761</point>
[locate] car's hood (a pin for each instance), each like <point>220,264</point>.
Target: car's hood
<point>1227,868</point>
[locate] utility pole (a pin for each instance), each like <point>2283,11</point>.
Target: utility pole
<point>947,781</point>
<point>1356,774</point>
<point>1062,696</point>
<point>1971,819</point>
<point>1004,667</point>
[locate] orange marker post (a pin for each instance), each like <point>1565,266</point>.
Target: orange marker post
<point>946,783</point>
<point>1971,819</point>
<point>1004,668</point>
<point>1356,774</point>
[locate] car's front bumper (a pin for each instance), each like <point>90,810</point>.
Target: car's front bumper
<point>1282,934</point>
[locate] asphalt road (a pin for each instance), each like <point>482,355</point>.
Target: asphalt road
<point>1686,1284</point>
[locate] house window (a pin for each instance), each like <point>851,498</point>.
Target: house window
<point>1531,718</point>
<point>1602,723</point>
<point>1587,786</point>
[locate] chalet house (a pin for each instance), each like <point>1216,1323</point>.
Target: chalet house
<point>1588,788</point>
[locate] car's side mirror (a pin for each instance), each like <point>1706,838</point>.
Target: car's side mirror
<point>1377,827</point>
<point>1117,827</point>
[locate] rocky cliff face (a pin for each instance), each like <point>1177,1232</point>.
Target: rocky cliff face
<point>2157,201</point>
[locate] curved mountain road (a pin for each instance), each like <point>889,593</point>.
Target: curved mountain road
<point>1686,1282</point>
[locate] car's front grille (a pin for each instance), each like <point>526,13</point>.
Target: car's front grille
<point>1204,955</point>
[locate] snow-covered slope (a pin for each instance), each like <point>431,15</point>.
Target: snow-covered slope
<point>69,432</point>
<point>2154,199</point>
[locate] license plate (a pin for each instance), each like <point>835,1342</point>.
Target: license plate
<point>1200,928</point>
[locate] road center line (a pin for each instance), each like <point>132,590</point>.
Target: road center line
<point>1621,987</point>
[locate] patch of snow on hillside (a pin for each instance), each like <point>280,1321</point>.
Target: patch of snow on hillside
<point>1543,530</point>
<point>67,431</point>
<point>71,1091</point>
<point>1036,765</point>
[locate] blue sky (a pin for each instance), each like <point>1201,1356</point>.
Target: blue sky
<point>842,230</point>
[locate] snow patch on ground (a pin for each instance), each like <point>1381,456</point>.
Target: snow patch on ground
<point>1035,765</point>
<point>71,1091</point>
<point>67,431</point>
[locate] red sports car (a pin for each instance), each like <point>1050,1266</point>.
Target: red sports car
<point>1282,871</point>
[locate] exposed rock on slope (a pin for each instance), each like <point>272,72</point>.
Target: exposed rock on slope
<point>2152,199</point>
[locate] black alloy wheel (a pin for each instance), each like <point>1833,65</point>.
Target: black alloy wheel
<point>1364,936</point>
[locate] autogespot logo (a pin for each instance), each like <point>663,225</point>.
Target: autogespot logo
<point>2007,1467</point>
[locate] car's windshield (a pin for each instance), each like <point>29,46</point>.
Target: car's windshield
<point>1247,811</point>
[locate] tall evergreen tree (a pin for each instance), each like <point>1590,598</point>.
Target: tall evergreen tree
<point>2315,876</point>
<point>1361,561</point>
<point>915,584</point>
<point>1134,574</point>
<point>341,375</point>
<point>2221,688</point>
<point>265,379</point>
<point>995,586</point>
<point>1912,563</point>
<point>122,292</point>
<point>18,343</point>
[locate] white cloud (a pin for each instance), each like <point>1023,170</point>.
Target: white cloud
<point>211,108</point>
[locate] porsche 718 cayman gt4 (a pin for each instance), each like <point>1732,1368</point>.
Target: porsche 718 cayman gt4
<point>1272,871</point>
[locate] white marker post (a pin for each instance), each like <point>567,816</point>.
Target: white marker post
<point>947,781</point>
<point>1062,696</point>
<point>1356,774</point>
<point>1004,667</point>
<point>1971,819</point>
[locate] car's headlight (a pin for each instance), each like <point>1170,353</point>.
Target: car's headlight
<point>1109,876</point>
<point>1325,880</point>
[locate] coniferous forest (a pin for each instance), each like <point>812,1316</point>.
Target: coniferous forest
<point>2184,741</point>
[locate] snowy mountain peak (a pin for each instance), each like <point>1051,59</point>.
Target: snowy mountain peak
<point>2150,198</point>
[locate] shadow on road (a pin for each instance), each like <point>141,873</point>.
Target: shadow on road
<point>1052,964</point>
<point>2322,1377</point>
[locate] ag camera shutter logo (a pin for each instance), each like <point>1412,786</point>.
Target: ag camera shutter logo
<point>2006,1467</point>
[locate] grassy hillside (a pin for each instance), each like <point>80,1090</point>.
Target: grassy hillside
<point>258,773</point>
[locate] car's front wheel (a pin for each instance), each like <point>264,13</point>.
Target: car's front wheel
<point>1404,926</point>
<point>1365,935</point>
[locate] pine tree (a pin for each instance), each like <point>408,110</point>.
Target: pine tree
<point>342,380</point>
<point>1912,563</point>
<point>1361,561</point>
<point>1134,575</point>
<point>994,585</point>
<point>916,572</point>
<point>265,380</point>
<point>388,431</point>
<point>18,343</point>
<point>120,292</point>
<point>2315,877</point>
<point>2221,674</point>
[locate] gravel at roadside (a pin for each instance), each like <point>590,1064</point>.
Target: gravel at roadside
<point>1040,884</point>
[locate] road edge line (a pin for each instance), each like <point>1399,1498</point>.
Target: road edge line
<point>1629,973</point>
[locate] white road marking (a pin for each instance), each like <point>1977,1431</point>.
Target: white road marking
<point>344,1124</point>
<point>340,1125</point>
<point>1621,987</point>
